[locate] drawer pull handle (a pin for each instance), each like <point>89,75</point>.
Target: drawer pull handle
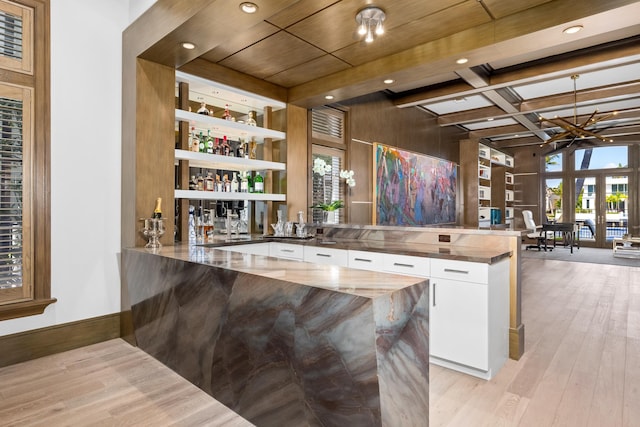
<point>453,270</point>
<point>324,255</point>
<point>399,264</point>
<point>286,250</point>
<point>362,259</point>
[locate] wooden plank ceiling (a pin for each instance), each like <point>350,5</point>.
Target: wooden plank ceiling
<point>519,60</point>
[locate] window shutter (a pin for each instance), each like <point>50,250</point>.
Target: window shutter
<point>10,35</point>
<point>16,37</point>
<point>327,124</point>
<point>11,180</point>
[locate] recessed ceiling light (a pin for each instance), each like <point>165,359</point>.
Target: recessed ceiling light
<point>248,7</point>
<point>462,61</point>
<point>328,97</point>
<point>388,81</point>
<point>459,99</point>
<point>490,119</point>
<point>188,45</point>
<point>573,29</point>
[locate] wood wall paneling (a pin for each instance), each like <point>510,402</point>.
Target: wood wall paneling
<point>298,169</point>
<point>155,142</point>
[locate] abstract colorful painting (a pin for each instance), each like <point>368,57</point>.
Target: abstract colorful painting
<point>413,189</point>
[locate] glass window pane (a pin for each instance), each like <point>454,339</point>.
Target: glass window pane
<point>553,162</point>
<point>602,158</point>
<point>617,200</point>
<point>553,195</point>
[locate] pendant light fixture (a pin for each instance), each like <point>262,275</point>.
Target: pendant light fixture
<point>370,22</point>
<point>577,130</point>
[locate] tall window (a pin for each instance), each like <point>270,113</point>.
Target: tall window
<point>24,158</point>
<point>328,146</point>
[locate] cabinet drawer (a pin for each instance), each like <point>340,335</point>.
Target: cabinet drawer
<point>286,250</point>
<point>330,256</point>
<point>465,271</point>
<point>404,264</point>
<point>253,248</point>
<point>363,260</point>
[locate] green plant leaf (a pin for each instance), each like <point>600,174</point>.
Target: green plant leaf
<point>336,204</point>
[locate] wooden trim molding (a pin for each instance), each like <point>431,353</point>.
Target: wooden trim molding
<point>23,309</point>
<point>37,343</point>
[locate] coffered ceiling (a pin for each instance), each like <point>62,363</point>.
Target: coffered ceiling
<point>519,61</point>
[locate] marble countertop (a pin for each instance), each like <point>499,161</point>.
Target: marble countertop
<point>458,253</point>
<point>369,284</point>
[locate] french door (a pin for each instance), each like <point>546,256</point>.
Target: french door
<point>602,208</point>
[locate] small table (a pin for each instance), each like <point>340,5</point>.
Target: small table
<point>568,230</point>
<point>626,248</point>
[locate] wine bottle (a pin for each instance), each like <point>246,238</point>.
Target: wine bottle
<point>258,183</point>
<point>157,212</point>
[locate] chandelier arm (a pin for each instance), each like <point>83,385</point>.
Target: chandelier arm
<point>583,125</point>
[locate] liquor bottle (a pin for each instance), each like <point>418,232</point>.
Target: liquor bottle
<point>157,212</point>
<point>216,146</point>
<point>252,121</point>
<point>225,146</point>
<point>245,149</point>
<point>219,187</point>
<point>227,184</point>
<point>202,147</point>
<point>250,179</point>
<point>193,183</point>
<point>203,109</point>
<point>200,183</point>
<point>253,147</point>
<point>227,114</point>
<point>244,182</point>
<point>258,183</point>
<point>209,142</point>
<point>194,143</point>
<point>208,182</point>
<point>240,149</point>
<point>234,184</point>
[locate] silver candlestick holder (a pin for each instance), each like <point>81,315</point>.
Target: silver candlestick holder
<point>153,230</point>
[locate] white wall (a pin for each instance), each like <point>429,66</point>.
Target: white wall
<point>86,57</point>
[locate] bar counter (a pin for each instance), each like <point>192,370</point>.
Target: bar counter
<point>285,342</point>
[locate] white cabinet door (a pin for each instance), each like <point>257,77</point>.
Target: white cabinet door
<point>286,250</point>
<point>331,256</point>
<point>459,322</point>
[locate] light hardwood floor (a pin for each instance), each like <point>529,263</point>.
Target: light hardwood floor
<point>105,384</point>
<point>581,365</point>
<point>581,368</point>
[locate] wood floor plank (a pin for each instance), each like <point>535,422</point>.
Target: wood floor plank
<point>581,367</point>
<point>109,384</point>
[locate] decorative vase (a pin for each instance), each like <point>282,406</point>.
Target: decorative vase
<point>325,217</point>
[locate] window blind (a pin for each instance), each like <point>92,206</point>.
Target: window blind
<point>11,193</point>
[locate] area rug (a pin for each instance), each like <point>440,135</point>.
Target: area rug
<point>589,255</point>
